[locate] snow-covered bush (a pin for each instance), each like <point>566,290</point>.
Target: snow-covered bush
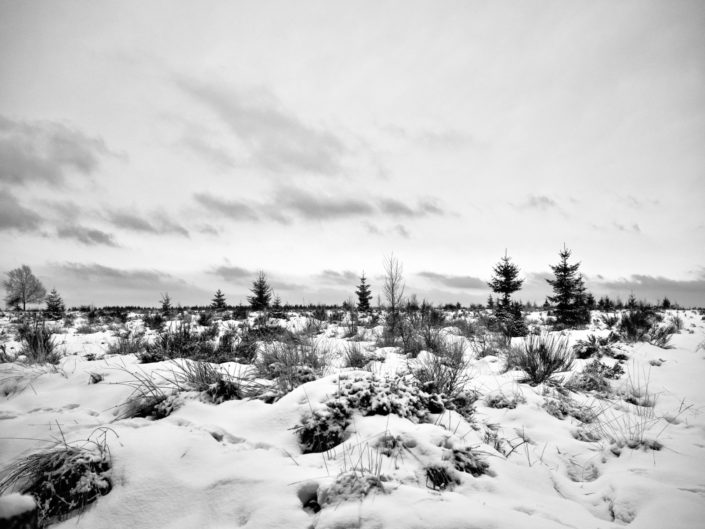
<point>595,376</point>
<point>350,486</point>
<point>563,407</point>
<point>62,479</point>
<point>324,428</point>
<point>595,346</point>
<point>500,400</point>
<point>469,461</point>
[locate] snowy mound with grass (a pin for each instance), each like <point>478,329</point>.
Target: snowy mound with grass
<point>305,423</point>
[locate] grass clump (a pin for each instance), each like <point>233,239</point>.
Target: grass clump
<point>541,356</point>
<point>63,479</point>
<point>291,363</point>
<point>216,385</point>
<point>354,356</point>
<point>127,343</point>
<point>149,399</point>
<point>37,344</point>
<point>443,373</point>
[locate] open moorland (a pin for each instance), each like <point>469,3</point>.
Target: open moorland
<point>332,418</point>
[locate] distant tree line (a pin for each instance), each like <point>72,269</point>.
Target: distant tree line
<point>570,303</point>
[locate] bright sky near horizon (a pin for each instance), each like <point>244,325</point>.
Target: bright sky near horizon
<point>174,146</point>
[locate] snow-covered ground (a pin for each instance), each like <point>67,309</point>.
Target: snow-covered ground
<point>239,463</point>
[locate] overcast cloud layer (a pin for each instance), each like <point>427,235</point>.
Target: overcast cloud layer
<point>148,147</point>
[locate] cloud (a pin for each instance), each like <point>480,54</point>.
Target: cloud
<point>14,216</point>
<point>656,287</point>
<point>91,282</point>
<point>396,208</point>
<point>338,278</point>
<point>634,228</point>
<point>455,281</point>
<point>540,202</point>
<point>133,222</point>
<point>216,156</point>
<point>319,207</point>
<point>46,152</point>
<point>276,139</point>
<point>286,286</point>
<point>443,138</point>
<point>87,236</point>
<point>134,278</point>
<point>233,274</point>
<point>400,230</point>
<point>371,228</point>
<point>233,209</point>
<point>290,202</point>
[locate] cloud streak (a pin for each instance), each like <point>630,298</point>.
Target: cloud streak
<point>464,282</point>
<point>15,217</point>
<point>288,203</point>
<point>160,224</point>
<point>87,236</point>
<point>276,139</point>
<point>46,152</point>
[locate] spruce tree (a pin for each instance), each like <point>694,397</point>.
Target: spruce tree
<point>277,308</point>
<point>569,292</point>
<point>219,301</point>
<point>261,293</point>
<point>505,281</point>
<point>166,304</point>
<point>55,306</point>
<point>364,295</point>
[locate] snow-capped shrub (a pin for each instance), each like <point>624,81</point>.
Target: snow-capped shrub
<point>595,376</point>
<point>389,395</point>
<point>499,400</point>
<point>323,429</point>
<point>439,477</point>
<point>62,479</point>
<point>468,461</point>
<point>595,346</point>
<point>564,407</point>
<point>350,486</point>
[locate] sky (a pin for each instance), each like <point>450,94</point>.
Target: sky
<point>181,147</point>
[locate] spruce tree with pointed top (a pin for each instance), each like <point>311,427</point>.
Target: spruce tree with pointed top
<point>55,306</point>
<point>218,302</point>
<point>505,281</point>
<point>364,295</point>
<point>261,293</point>
<point>568,292</point>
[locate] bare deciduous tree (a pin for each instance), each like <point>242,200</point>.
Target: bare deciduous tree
<point>393,292</point>
<point>23,287</point>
